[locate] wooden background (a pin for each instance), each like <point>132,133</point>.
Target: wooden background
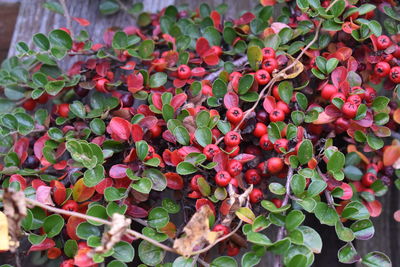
<point>32,18</point>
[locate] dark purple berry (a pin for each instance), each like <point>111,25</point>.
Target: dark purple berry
<point>127,100</point>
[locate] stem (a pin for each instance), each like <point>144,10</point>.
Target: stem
<point>88,217</point>
<point>237,63</point>
<point>67,16</point>
<point>203,262</point>
<point>277,258</point>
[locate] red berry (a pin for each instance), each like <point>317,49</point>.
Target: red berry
<point>370,94</point>
<point>339,95</point>
<point>234,115</point>
<point>222,178</point>
<point>63,110</point>
<point>281,143</point>
<point>382,69</point>
<point>349,110</point>
<point>70,205</point>
<point>184,72</point>
<point>368,179</point>
<point>277,202</point>
<point>217,49</point>
<point>276,115</point>
<point>394,74</point>
<point>221,228</point>
<point>232,250</point>
<point>193,182</point>
<point>262,77</point>
<point>210,151</point>
<point>252,176</point>
<point>234,75</point>
<point>328,91</point>
<point>355,99</point>
<point>275,165</point>
<point>207,90</point>
<point>283,106</point>
<point>387,57</point>
<point>29,104</point>
<point>260,129</point>
<point>126,100</point>
<point>256,195</point>
<point>262,115</point>
<point>270,64</point>
<point>268,52</point>
<point>347,191</point>
<point>43,98</point>
<point>383,42</point>
<point>234,167</point>
<point>160,64</point>
<point>275,93</point>
<point>265,143</point>
<point>155,131</point>
<point>232,138</point>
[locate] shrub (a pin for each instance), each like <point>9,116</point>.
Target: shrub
<point>204,130</point>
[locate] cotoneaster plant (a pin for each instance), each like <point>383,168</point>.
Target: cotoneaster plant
<point>192,132</point>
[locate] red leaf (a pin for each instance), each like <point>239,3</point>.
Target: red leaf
<point>38,146</point>
<point>134,82</point>
<point>59,192</point>
<point>72,224</point>
<point>352,64</point>
<point>178,100</point>
<point>118,171</point>
<point>46,244</point>
<point>82,258</point>
<point>269,104</point>
<point>169,137</point>
<point>129,65</point>
<point>18,178</point>
<point>231,100</point>
<point>202,46</point>
<point>243,158</point>
<point>374,207</point>
<point>202,201</point>
<point>324,118</point>
<point>148,122</point>
<point>83,22</point>
<point>137,132</point>
<point>136,211</point>
<point>120,128</point>
<point>222,161</point>
<point>100,187</point>
<point>43,195</point>
<point>102,68</point>
<point>268,2</point>
<point>198,72</point>
<point>338,75</point>
<point>60,165</point>
<point>21,146</point>
<point>157,100</point>
<point>211,59</point>
<point>245,18</point>
<point>174,181</point>
<point>178,83</point>
<point>216,17</point>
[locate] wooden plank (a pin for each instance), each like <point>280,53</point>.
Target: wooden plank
<point>8,15</point>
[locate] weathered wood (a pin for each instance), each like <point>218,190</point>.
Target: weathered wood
<point>8,15</point>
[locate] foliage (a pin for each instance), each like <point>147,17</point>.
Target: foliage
<point>207,131</point>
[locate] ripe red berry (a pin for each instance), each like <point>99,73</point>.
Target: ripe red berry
<point>283,106</point>
<point>221,228</point>
<point>232,250</point>
<point>275,93</point>
<point>210,151</point>
<point>394,74</point>
<point>155,131</point>
<point>184,72</point>
<point>262,77</point>
<point>70,205</point>
<point>265,143</point>
<point>126,100</point>
<point>355,99</point>
<point>234,167</point>
<point>328,91</point>
<point>277,202</point>
<point>252,176</point>
<point>222,178</point>
<point>276,115</point>
<point>234,115</point>
<point>368,179</point>
<point>256,195</point>
<point>349,110</point>
<point>370,94</point>
<point>270,64</point>
<point>338,95</point>
<point>268,52</point>
<point>232,138</point>
<point>43,98</point>
<point>29,104</point>
<point>387,57</point>
<point>281,143</point>
<point>63,110</point>
<point>382,69</point>
<point>275,165</point>
<point>260,129</point>
<point>193,182</point>
<point>383,42</point>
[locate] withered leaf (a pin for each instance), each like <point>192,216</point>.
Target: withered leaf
<point>292,72</point>
<point>197,233</point>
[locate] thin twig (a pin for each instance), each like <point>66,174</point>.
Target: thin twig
<point>203,262</point>
<point>67,16</point>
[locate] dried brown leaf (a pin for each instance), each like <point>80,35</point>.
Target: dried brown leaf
<point>292,72</point>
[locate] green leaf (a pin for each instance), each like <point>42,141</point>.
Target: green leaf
<point>182,135</point>
<point>355,211</point>
<point>311,239</point>
<point>41,41</point>
<point>146,48</point>
<point>305,152</point>
<point>294,219</point>
<point>245,83</point>
<point>344,233</point>
<point>376,259</point>
<point>60,39</point>
<point>143,186</point>
<point>223,261</point>
<point>78,109</point>
<point>54,87</point>
<point>277,188</point>
<point>157,177</point>
<point>123,251</point>
<point>353,173</point>
<point>336,162</point>
<point>108,7</point>
<point>375,27</point>
<point>158,79</point>
<point>120,40</point>
<point>250,259</point>
<point>325,214</point>
<point>298,184</point>
<point>270,206</point>
<point>316,187</point>
<point>363,229</point>
<point>170,206</point>
<point>303,4</point>
<point>331,64</point>
<point>94,176</point>
<point>97,211</point>
<point>259,239</point>
<point>185,168</point>
<point>347,254</point>
<point>53,225</point>
<point>142,149</point>
<point>285,90</point>
<point>150,254</point>
<point>254,56</point>
<point>183,262</point>
<point>25,123</point>
<point>158,218</point>
<point>380,103</point>
<point>54,6</point>
<point>338,8</point>
<point>70,248</point>
<point>219,88</point>
<point>391,13</point>
<point>97,126</point>
<point>203,136</point>
<point>297,117</point>
<point>321,63</point>
<point>374,142</point>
